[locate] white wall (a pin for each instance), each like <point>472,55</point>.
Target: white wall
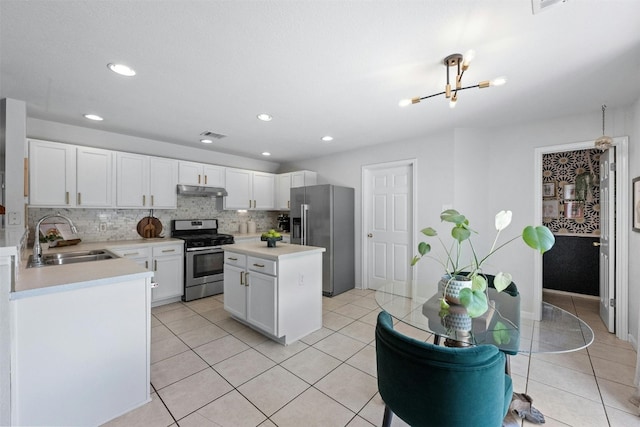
<point>633,124</point>
<point>483,171</point>
<point>53,131</point>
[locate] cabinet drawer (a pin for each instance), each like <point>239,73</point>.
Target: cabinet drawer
<point>232,258</point>
<point>166,250</point>
<point>262,265</point>
<point>132,252</point>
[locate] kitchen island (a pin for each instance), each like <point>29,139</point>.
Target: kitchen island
<point>80,339</point>
<point>276,291</point>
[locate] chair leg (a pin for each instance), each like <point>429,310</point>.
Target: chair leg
<point>388,415</point>
<point>436,339</point>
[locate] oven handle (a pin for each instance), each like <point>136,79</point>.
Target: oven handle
<point>212,250</point>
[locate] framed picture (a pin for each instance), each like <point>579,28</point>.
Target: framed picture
<point>573,210</point>
<point>569,191</point>
<point>550,208</point>
<point>548,189</point>
<point>635,186</point>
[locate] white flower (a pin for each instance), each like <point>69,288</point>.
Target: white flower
<point>503,219</point>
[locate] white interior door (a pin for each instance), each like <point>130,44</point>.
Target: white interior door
<point>607,230</point>
<point>389,205</point>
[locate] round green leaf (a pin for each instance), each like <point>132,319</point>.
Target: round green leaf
<point>430,232</point>
<point>460,234</point>
<point>424,248</point>
<point>501,334</point>
<point>474,301</point>
<point>501,281</point>
<point>539,238</point>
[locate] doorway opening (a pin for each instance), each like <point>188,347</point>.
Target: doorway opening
<point>619,237</point>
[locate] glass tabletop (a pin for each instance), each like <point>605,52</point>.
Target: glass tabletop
<point>559,331</point>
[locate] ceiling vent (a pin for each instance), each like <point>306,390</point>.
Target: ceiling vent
<point>213,135</point>
<point>540,5</point>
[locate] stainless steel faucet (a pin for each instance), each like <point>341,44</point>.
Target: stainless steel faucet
<point>37,248</point>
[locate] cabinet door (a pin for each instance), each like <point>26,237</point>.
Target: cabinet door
<point>168,275</point>
<point>264,190</point>
<point>94,182</point>
<point>283,191</point>
<point>132,180</point>
<point>52,174</point>
<point>303,179</point>
<point>163,178</point>
<point>238,185</point>
<point>213,175</point>
<point>261,302</point>
<point>190,173</point>
<point>235,300</point>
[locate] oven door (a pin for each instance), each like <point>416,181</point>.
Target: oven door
<point>203,266</point>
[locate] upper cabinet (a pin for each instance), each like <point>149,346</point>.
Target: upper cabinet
<point>145,182</point>
<point>287,181</point>
<point>62,175</point>
<point>201,174</point>
<point>249,189</point>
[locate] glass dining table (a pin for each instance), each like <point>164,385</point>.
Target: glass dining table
<point>557,332</point>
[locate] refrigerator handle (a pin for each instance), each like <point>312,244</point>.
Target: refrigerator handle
<point>304,208</point>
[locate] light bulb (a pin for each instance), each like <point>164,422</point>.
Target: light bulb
<point>404,102</point>
<point>122,69</point>
<point>453,102</point>
<point>468,57</point>
<point>498,81</point>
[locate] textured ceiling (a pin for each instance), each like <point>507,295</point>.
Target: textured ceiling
<point>318,67</point>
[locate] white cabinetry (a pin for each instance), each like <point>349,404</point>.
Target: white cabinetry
<point>143,181</point>
<point>166,261</point>
<point>279,295</point>
<point>249,293</point>
<point>287,181</point>
<point>201,174</point>
<point>249,189</point>
<point>63,175</point>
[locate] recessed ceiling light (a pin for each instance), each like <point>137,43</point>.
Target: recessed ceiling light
<point>94,117</point>
<point>266,153</point>
<point>122,69</point>
<point>264,117</point>
<point>206,141</point>
<point>327,138</point>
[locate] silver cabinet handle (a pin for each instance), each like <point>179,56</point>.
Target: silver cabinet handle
<point>246,278</point>
<point>144,200</point>
<point>152,200</point>
<point>168,250</point>
<point>241,278</point>
<point>130,254</point>
<point>79,199</point>
<point>155,265</point>
<point>232,258</point>
<point>259,265</point>
<point>66,198</point>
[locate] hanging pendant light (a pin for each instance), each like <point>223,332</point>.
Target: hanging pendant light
<point>604,142</point>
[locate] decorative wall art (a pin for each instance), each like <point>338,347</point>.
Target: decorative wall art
<point>550,209</point>
<point>573,210</point>
<point>566,169</point>
<point>548,189</point>
<point>636,203</point>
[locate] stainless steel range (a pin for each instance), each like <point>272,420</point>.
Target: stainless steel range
<point>204,256</point>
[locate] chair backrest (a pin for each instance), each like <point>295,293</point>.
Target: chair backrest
<point>429,385</point>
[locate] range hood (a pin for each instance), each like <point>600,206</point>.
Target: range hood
<point>200,190</point>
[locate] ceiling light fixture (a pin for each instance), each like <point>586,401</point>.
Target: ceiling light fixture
<point>327,138</point>
<point>206,141</point>
<point>462,64</point>
<point>264,117</point>
<point>604,142</point>
<point>123,70</point>
<point>266,153</point>
<point>93,117</point>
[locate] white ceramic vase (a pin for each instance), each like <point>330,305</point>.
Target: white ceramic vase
<point>451,287</point>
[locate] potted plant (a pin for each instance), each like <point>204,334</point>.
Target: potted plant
<point>473,294</point>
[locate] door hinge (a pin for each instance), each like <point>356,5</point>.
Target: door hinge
<point>612,302</point>
<point>612,167</point>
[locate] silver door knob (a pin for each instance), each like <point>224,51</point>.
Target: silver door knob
<point>370,235</point>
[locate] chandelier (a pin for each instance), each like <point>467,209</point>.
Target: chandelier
<point>604,142</point>
<point>451,93</point>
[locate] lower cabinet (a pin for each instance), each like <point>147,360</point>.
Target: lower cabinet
<point>249,294</point>
<point>167,263</point>
<point>282,298</point>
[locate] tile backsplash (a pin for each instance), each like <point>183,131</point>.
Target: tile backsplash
<point>121,224</point>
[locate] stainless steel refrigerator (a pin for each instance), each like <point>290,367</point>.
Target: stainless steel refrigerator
<point>323,215</point>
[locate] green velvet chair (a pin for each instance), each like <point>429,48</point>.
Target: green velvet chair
<point>429,385</point>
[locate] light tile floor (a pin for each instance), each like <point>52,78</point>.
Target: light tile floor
<point>209,370</point>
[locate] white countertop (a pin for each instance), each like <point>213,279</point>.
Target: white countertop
<point>59,278</point>
<point>282,250</point>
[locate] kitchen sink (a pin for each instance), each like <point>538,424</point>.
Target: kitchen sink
<point>72,257</point>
